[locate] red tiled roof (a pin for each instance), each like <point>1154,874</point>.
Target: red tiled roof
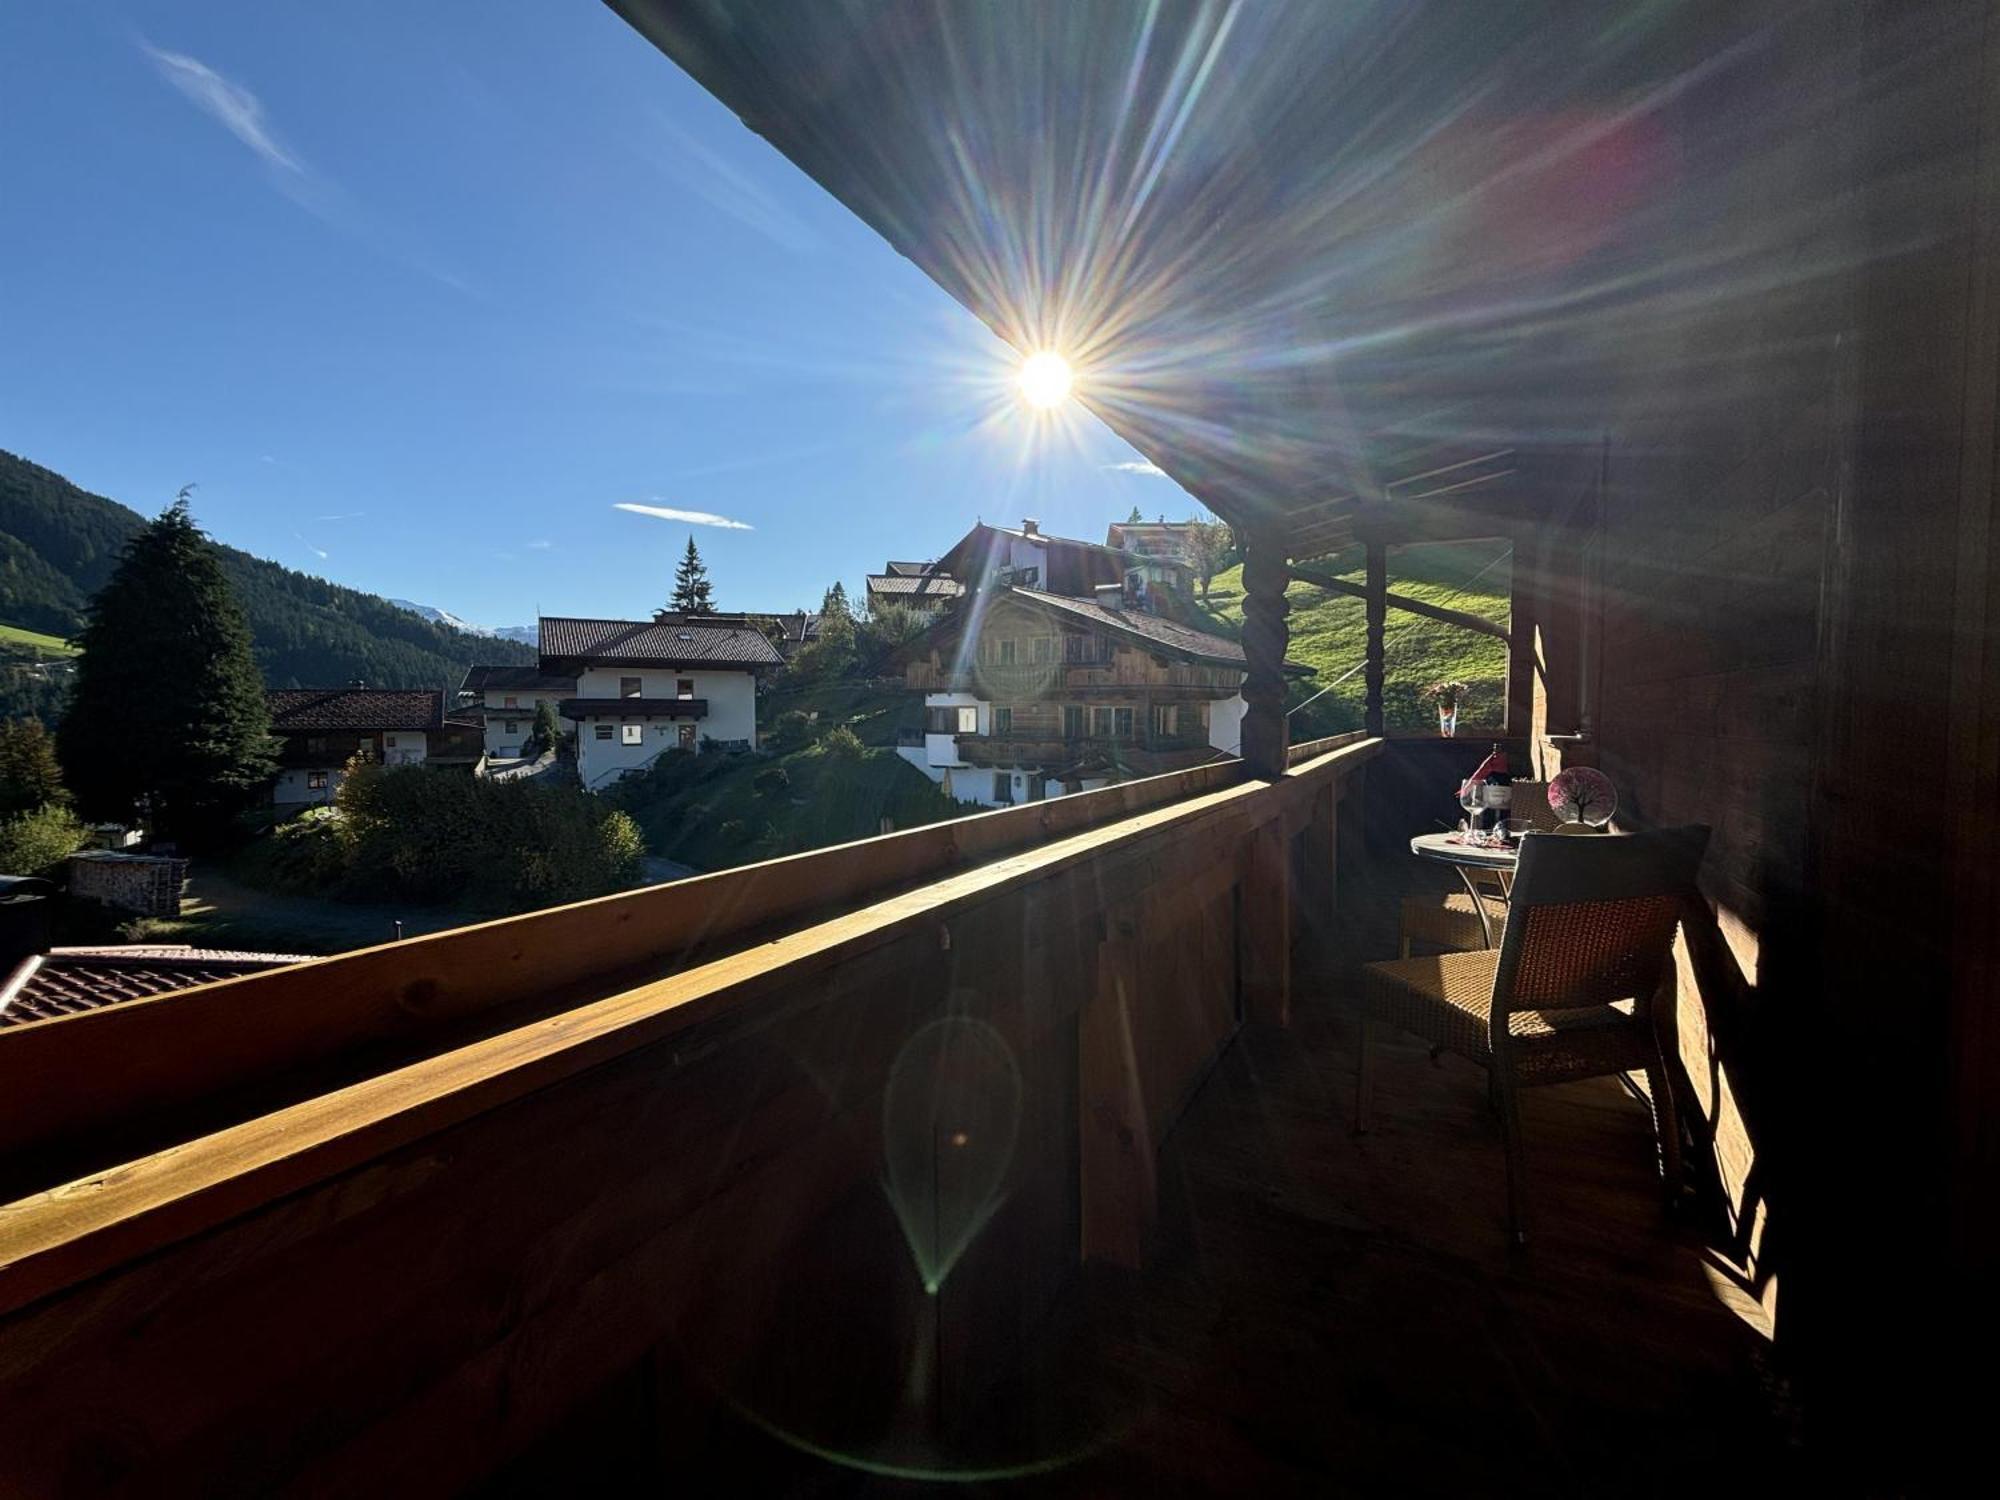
<point>71,981</point>
<point>668,641</point>
<point>309,710</point>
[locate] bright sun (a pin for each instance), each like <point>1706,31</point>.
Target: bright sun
<point>1046,380</point>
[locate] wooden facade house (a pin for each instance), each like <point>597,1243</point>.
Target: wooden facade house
<point>1029,694</point>
<point>1015,1147</point>
<point>320,730</point>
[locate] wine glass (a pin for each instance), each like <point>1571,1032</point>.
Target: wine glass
<point>1470,798</point>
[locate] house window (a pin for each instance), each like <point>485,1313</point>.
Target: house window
<point>1072,721</point>
<point>1100,723</point>
<point>512,726</point>
<point>316,744</point>
<point>1029,578</point>
<point>684,688</point>
<point>510,701</point>
<point>631,734</point>
<point>1003,721</point>
<point>1003,787</point>
<point>687,736</point>
<point>602,731</point>
<point>315,781</point>
<point>388,742</point>
<point>1165,720</point>
<point>1121,723</point>
<point>1007,653</point>
<point>630,687</point>
<point>1044,649</point>
<point>968,721</point>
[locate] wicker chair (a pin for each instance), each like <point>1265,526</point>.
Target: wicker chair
<point>1453,921</point>
<point>1568,994</point>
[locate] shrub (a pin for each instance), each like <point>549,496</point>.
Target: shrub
<point>426,835</point>
<point>35,843</point>
<point>771,780</point>
<point>304,853</point>
<point>789,731</point>
<point>842,743</point>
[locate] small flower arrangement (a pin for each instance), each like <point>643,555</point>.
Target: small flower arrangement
<point>1447,696</point>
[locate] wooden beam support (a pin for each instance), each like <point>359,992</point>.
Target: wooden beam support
<point>1401,601</point>
<point>1377,595</point>
<point>1266,734</point>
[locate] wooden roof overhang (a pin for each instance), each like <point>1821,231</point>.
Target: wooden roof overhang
<point>1332,304</point>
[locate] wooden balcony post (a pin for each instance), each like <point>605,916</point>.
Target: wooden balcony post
<point>1266,735</point>
<point>1378,615</point>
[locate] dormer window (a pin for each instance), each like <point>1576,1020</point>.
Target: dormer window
<point>630,687</point>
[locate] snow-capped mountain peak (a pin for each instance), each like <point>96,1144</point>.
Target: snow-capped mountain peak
<point>523,633</point>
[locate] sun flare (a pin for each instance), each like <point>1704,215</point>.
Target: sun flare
<point>1046,380</point>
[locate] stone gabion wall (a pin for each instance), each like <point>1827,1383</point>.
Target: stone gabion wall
<point>147,884</point>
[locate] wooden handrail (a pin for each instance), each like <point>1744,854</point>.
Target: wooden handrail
<point>57,1237</point>
<point>102,1086</point>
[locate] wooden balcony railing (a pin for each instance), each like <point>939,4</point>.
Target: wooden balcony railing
<point>288,1230</point>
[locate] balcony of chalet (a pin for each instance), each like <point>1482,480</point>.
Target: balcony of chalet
<point>1017,1150</point>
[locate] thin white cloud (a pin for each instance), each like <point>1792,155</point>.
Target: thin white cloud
<point>231,105</point>
<point>346,515</point>
<point>541,545</point>
<point>1138,468</point>
<point>734,192</point>
<point>692,517</point>
<point>318,552</point>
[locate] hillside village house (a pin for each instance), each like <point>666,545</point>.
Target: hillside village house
<point>506,698</point>
<point>1031,558</point>
<point>638,687</point>
<point>1030,694</point>
<point>922,586</point>
<point>324,728</point>
<point>1173,540</point>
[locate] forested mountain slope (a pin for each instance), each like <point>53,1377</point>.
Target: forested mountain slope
<point>58,545</point>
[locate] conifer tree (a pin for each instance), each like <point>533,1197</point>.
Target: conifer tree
<point>1135,518</point>
<point>29,775</point>
<point>692,592</point>
<point>168,708</point>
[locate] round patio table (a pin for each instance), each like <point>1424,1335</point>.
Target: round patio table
<point>1445,849</point>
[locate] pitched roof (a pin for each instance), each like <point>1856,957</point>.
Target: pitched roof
<point>668,639</point>
<point>911,585</point>
<point>485,679</point>
<point>908,569</point>
<point>70,981</point>
<point>306,710</point>
<point>1167,635</point>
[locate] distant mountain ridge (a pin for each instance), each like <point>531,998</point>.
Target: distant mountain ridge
<point>526,634</point>
<point>59,544</point>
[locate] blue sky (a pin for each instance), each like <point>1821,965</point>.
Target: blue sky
<point>418,293</point>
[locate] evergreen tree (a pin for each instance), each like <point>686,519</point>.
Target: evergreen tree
<point>168,707</point>
<point>834,611</point>
<point>548,730</point>
<point>1135,518</point>
<point>29,775</point>
<point>692,594</point>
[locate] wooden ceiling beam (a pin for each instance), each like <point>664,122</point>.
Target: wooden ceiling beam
<point>1401,601</point>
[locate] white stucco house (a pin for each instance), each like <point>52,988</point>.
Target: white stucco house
<point>507,697</point>
<point>643,687</point>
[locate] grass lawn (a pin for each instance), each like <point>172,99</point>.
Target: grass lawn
<point>1330,633</point>
<point>220,911</point>
<point>710,812</point>
<point>872,711</point>
<point>34,640</point>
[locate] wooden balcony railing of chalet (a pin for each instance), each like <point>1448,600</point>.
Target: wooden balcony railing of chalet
<point>1054,749</point>
<point>400,1211</point>
<point>1131,671</point>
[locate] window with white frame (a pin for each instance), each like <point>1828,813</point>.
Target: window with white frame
<point>315,781</point>
<point>968,720</point>
<point>632,734</point>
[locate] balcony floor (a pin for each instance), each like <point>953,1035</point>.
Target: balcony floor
<point>1331,1314</point>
